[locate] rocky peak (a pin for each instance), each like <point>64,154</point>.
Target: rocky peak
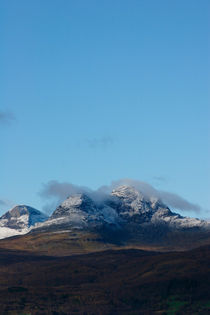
<point>127,193</point>
<point>21,216</point>
<point>81,201</point>
<point>75,203</point>
<point>133,202</point>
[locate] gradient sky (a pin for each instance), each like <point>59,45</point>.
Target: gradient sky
<point>95,91</point>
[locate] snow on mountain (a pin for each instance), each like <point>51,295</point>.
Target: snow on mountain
<point>79,211</point>
<point>19,220</point>
<point>125,208</point>
<point>134,202</point>
<point>7,232</point>
<point>175,220</point>
<point>152,210</point>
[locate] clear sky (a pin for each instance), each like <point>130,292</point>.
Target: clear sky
<point>94,91</point>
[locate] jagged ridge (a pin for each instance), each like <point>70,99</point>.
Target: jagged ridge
<point>125,206</point>
<point>125,209</point>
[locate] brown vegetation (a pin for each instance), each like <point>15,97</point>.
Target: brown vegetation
<point>67,243</point>
<point>108,282</point>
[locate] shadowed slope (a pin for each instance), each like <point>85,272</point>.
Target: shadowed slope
<point>110,282</point>
<point>64,243</point>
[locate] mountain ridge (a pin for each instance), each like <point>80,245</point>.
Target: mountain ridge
<point>124,205</point>
<point>126,217</point>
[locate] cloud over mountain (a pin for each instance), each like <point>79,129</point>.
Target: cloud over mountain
<point>61,190</point>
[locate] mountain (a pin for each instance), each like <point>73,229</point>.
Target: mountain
<point>135,207</point>
<point>123,253</point>
<point>124,207</point>
<point>126,218</point>
<point>19,220</point>
<point>80,211</point>
<point>134,258</point>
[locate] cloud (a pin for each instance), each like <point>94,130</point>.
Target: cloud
<point>2,203</point>
<point>176,201</point>
<point>5,205</point>
<point>160,179</point>
<point>49,207</point>
<point>60,191</point>
<point>6,117</point>
<point>102,142</point>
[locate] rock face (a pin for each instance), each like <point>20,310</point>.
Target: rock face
<point>19,220</point>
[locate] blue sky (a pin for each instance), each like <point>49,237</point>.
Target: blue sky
<point>95,91</point>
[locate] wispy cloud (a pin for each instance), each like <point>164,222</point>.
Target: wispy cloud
<point>5,205</point>
<point>102,142</point>
<point>160,179</point>
<point>49,207</point>
<point>6,117</point>
<point>2,203</point>
<point>178,202</point>
<point>60,191</point>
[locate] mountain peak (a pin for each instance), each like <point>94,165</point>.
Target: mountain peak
<point>19,210</point>
<point>77,200</point>
<point>77,203</point>
<point>126,208</point>
<point>20,219</point>
<point>125,191</point>
<point>21,216</point>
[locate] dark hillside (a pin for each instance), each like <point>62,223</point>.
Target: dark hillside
<point>109,282</point>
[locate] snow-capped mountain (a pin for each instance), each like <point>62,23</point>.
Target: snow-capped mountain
<point>125,210</point>
<point>124,207</point>
<point>19,220</point>
<point>77,211</point>
<point>134,206</point>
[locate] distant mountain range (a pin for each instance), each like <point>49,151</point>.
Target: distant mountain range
<point>140,262</point>
<point>125,207</point>
<point>126,216</point>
